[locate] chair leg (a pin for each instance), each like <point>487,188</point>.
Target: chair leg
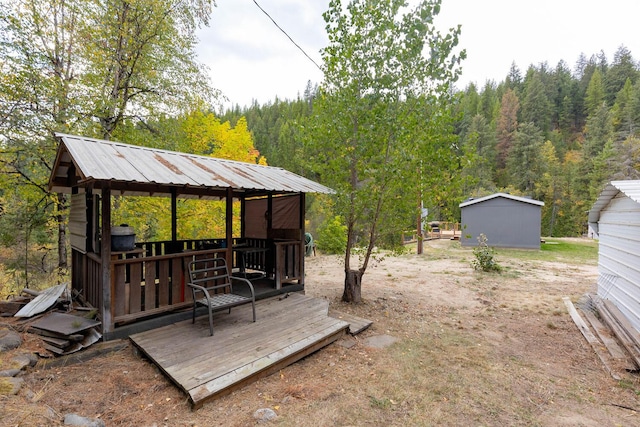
<point>193,319</point>
<point>253,305</point>
<point>210,321</point>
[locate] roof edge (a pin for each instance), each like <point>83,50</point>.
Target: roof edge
<point>503,195</point>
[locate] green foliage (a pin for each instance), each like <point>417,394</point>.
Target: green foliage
<point>380,124</point>
<point>484,256</point>
<point>98,68</point>
<point>524,162</point>
<point>332,236</point>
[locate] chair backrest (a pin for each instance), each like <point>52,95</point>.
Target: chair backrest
<point>209,273</point>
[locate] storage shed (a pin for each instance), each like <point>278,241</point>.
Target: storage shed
<point>615,219</point>
<point>507,221</point>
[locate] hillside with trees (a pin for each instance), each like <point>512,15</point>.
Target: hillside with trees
<point>556,134</point>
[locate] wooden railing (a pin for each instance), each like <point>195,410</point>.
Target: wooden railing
<point>86,277</point>
<point>289,262</point>
<point>152,279</point>
<point>150,285</point>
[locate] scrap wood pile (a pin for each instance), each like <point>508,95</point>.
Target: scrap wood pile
<point>611,335</point>
<point>64,324</point>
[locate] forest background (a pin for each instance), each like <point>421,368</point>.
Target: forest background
<point>556,134</point>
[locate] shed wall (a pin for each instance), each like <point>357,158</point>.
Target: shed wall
<point>619,256</point>
<point>506,223</point>
<point>78,222</point>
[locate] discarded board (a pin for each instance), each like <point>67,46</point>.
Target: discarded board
<point>11,307</point>
<point>65,333</point>
<point>591,339</point>
<point>42,302</point>
<point>618,355</point>
<point>65,324</point>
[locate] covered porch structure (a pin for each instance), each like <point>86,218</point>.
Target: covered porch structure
<point>145,287</point>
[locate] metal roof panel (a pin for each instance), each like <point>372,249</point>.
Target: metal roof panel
<point>102,160</point>
<point>504,195</point>
<point>630,188</point>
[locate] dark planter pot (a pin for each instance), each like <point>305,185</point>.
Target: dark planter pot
<point>122,238</point>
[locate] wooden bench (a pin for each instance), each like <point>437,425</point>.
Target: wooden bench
<point>212,287</point>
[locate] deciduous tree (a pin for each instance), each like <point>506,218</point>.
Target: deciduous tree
<point>88,67</point>
<point>379,122</point>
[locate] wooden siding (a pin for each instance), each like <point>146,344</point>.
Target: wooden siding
<point>619,256</point>
<point>206,367</point>
<point>78,222</point>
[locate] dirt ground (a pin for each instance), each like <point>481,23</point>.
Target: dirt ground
<point>473,349</point>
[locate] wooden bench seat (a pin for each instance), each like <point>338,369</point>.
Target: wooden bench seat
<point>212,287</point>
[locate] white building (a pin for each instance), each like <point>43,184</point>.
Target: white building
<point>615,220</point>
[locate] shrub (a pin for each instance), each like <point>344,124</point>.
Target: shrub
<point>484,256</point>
<point>332,236</point>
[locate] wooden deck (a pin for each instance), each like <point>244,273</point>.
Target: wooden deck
<point>287,329</point>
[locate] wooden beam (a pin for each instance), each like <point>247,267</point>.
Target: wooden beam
<point>591,339</point>
<point>105,256</point>
<point>229,228</point>
<point>303,251</point>
<point>174,215</point>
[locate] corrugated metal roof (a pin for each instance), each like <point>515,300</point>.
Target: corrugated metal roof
<point>504,195</point>
<point>630,188</point>
<point>96,160</point>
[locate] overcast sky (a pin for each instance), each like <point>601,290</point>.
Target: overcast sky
<point>250,58</point>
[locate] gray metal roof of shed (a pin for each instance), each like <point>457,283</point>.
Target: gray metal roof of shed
<point>630,188</point>
<point>503,195</point>
<point>135,170</point>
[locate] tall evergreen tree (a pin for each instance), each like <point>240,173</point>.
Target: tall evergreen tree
<point>506,128</point>
<point>536,106</point>
<point>549,188</point>
<point>595,94</point>
<point>524,162</point>
<point>624,112</point>
<point>479,144</point>
<point>514,79</point>
<point>622,68</point>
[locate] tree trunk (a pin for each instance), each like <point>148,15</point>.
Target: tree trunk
<point>352,286</point>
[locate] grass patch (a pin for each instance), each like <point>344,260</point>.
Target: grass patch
<point>559,250</point>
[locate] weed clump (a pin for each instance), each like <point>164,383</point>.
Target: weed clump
<point>484,256</point>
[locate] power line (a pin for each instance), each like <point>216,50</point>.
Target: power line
<point>285,33</point>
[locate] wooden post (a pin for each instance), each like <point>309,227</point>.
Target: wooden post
<point>303,252</point>
<point>229,228</point>
<point>275,264</point>
<point>174,218</point>
<point>243,211</point>
<point>105,256</point>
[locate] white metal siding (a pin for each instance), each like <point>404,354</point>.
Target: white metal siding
<point>619,256</point>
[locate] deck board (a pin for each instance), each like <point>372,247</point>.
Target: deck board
<point>204,366</point>
<point>356,324</point>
